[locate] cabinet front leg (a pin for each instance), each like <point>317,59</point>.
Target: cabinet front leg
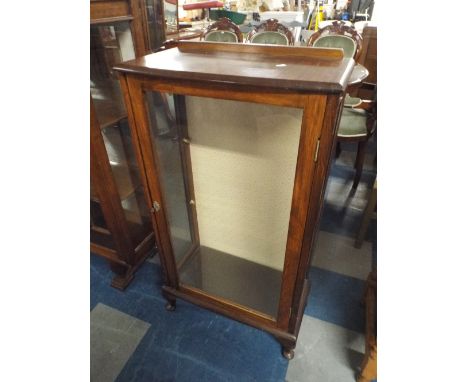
<point>287,347</point>
<point>123,276</point>
<point>171,301</point>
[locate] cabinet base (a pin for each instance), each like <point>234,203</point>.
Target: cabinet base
<point>122,282</point>
<point>287,353</point>
<point>287,340</point>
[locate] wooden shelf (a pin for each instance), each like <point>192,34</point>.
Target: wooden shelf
<point>108,101</point>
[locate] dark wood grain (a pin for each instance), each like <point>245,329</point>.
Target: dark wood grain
<point>143,146</point>
<point>109,9</point>
<point>322,70</point>
<point>368,59</point>
<point>305,174</point>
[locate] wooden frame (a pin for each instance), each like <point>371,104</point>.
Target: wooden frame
<point>321,102</point>
<point>113,238</point>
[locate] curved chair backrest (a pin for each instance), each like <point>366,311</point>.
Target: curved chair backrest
<point>223,30</point>
<point>338,35</point>
<point>271,32</point>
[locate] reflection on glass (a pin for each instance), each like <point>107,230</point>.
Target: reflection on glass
<point>243,159</point>
<point>162,117</point>
<point>155,25</point>
<point>111,44</point>
<point>170,15</point>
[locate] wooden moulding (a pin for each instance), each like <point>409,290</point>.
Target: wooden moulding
<point>229,310</point>
<point>278,69</point>
<point>315,204</point>
<point>109,10</point>
<point>305,175</point>
<point>141,138</point>
<point>259,51</point>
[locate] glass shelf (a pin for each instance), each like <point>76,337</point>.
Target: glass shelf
<point>108,102</point>
<point>233,278</point>
<point>126,179</point>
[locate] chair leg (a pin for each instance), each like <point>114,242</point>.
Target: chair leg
<point>361,153</point>
<point>337,149</point>
<point>368,214</point>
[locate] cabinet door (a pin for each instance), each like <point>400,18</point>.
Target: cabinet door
<point>226,172</point>
<point>112,44</point>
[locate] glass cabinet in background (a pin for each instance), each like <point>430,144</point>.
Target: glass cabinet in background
<point>235,142</point>
<point>120,223</point>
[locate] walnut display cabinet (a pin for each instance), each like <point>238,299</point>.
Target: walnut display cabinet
<point>121,229</point>
<point>234,144</point>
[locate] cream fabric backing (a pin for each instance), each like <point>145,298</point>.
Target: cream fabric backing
<point>243,160</point>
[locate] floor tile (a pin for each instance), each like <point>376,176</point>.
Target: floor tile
<point>336,253</point>
<point>114,338</point>
<point>325,353</point>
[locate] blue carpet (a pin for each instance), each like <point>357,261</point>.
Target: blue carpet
<point>189,344</point>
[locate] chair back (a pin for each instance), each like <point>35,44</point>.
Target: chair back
<point>338,35</point>
<point>223,30</point>
<point>271,32</point>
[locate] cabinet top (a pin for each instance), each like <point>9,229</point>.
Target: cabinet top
<point>297,69</point>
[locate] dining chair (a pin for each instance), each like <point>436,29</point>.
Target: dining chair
<point>339,34</point>
<point>368,214</point>
<point>270,32</point>
<point>368,371</point>
<point>223,30</point>
<point>358,124</point>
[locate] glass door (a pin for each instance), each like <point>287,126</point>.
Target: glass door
<point>226,169</point>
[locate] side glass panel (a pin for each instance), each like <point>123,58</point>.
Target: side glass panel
<point>170,16</point>
<point>243,160</point>
<point>155,23</point>
<point>167,143</point>
<point>111,44</point>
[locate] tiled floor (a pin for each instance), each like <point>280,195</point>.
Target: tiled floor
<point>133,338</point>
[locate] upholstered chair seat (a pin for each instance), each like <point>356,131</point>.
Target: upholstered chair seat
<point>223,30</point>
<point>271,32</point>
<point>351,101</point>
<point>274,38</point>
<point>337,41</point>
<point>353,123</point>
<point>221,36</point>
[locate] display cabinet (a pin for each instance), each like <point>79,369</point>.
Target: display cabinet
<point>120,223</point>
<point>155,24</point>
<point>161,19</point>
<point>234,144</point>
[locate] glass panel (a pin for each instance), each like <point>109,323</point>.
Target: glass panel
<point>155,24</point>
<point>243,158</point>
<point>170,16</point>
<point>111,44</point>
<point>165,137</point>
